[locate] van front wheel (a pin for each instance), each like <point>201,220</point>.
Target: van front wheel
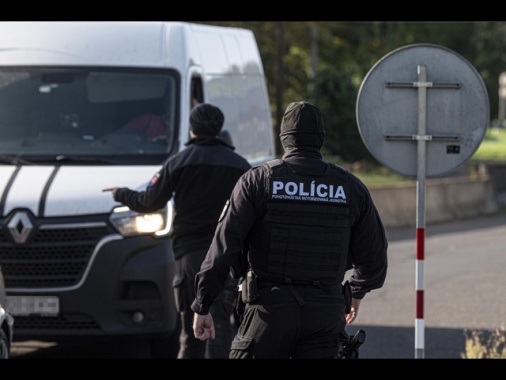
<point>4,345</point>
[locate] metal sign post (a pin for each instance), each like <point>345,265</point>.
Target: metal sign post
<point>447,127</point>
<point>422,85</point>
<point>502,98</point>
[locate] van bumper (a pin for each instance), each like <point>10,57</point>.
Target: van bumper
<point>127,291</point>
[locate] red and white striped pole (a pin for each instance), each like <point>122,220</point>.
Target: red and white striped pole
<point>419,324</point>
<point>420,211</point>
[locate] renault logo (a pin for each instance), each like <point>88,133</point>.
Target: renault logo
<point>20,227</point>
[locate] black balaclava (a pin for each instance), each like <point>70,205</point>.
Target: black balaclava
<point>302,127</point>
<point>206,120</point>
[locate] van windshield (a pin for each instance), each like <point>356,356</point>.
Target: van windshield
<point>87,115</point>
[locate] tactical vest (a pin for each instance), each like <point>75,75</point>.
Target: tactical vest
<point>309,224</point>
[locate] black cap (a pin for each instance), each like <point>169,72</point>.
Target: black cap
<point>206,119</point>
<point>302,117</point>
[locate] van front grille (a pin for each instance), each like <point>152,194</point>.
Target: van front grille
<point>54,257</point>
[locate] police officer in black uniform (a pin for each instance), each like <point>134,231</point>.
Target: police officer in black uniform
<point>292,228</point>
<point>200,178</point>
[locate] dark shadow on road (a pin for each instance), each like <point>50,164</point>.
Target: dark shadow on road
<point>106,348</point>
<point>382,342</point>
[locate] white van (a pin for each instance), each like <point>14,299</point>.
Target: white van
<point>90,105</point>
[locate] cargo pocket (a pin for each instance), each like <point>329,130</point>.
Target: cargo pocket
<point>240,346</point>
<point>178,296</point>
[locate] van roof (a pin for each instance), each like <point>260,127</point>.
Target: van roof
<point>128,43</point>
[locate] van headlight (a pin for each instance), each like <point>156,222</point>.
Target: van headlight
<point>131,223</point>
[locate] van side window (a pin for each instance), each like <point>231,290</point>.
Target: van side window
<point>197,92</point>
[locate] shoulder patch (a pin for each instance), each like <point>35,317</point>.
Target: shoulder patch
<point>154,180</point>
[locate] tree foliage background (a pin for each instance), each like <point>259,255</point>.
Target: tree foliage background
<point>325,62</point>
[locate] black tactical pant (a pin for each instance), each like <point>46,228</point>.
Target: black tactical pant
<point>222,311</point>
<point>291,321</point>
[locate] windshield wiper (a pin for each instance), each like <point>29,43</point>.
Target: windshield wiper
<point>12,160</point>
<point>63,158</point>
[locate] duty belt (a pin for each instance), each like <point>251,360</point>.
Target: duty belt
<point>290,281</point>
<point>290,284</point>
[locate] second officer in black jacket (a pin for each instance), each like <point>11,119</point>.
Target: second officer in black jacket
<point>200,178</point>
<point>299,224</point>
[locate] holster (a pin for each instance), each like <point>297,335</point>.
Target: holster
<point>249,288</point>
<point>347,296</point>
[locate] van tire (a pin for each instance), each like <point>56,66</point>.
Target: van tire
<point>4,345</point>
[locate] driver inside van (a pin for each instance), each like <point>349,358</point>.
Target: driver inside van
<point>153,125</point>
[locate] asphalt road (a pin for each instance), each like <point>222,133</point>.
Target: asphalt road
<point>464,276</point>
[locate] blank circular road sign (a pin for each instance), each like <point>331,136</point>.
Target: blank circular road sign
<point>422,92</point>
